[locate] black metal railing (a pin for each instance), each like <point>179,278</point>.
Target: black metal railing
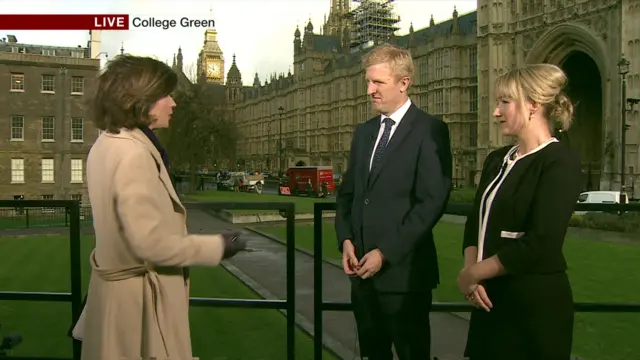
<point>319,305</point>
<point>75,297</point>
<point>72,208</point>
<point>21,217</point>
<point>289,305</point>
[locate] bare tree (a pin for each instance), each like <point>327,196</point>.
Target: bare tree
<point>191,72</point>
<point>201,133</point>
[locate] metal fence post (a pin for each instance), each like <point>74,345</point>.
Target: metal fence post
<point>75,257</point>
<point>317,282</point>
<point>291,280</point>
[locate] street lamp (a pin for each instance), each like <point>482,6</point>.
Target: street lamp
<point>269,145</point>
<point>623,70</point>
<point>106,55</point>
<point>281,110</point>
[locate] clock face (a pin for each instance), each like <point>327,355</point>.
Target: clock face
<point>213,69</point>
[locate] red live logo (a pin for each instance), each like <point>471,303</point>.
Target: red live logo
<point>111,22</point>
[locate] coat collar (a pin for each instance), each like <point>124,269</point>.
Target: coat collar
<point>140,137</point>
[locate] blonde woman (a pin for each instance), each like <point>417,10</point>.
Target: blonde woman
<point>514,269</point>
<point>138,300</point>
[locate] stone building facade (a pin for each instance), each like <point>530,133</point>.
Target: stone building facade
<point>587,39</point>
<point>317,107</point>
<point>46,136</point>
<point>310,114</point>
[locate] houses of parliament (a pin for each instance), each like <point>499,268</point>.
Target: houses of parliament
<point>315,108</point>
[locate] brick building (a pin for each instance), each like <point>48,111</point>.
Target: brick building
<point>45,134</point>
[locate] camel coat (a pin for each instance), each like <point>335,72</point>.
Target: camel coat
<point>138,300</point>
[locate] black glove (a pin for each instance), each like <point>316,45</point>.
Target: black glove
<point>233,243</point>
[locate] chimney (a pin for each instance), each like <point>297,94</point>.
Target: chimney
<point>94,43</point>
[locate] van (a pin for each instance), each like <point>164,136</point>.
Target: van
<point>601,197</point>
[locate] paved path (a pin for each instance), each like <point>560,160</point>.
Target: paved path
<point>267,268</point>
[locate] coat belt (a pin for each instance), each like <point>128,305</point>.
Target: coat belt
<point>149,276</point>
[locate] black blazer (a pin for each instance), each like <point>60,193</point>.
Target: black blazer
<point>395,207</point>
<point>529,217</point>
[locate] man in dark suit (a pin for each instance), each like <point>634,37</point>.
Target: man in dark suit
<point>394,192</point>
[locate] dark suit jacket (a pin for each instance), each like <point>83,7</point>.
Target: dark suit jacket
<point>530,214</point>
<point>395,207</point>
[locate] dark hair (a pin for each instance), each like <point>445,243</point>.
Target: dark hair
<point>127,89</point>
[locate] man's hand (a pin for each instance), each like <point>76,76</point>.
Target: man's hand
<point>370,264</point>
<point>349,259</point>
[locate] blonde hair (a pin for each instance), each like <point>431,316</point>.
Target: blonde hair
<point>540,84</point>
<point>397,58</point>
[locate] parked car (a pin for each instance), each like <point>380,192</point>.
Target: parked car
<point>601,197</point>
<point>242,181</point>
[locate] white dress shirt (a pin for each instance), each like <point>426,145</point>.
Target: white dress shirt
<point>397,117</point>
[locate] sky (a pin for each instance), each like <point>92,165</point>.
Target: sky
<point>258,32</point>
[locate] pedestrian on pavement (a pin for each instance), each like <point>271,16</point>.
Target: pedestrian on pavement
<point>514,269</point>
<point>138,299</point>
<point>392,195</point>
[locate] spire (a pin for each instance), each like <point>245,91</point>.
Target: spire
<point>174,61</point>
<point>432,22</point>
<point>122,48</point>
<point>179,58</point>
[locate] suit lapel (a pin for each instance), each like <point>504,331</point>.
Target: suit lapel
<point>164,175</point>
<point>369,142</point>
<point>403,129</point>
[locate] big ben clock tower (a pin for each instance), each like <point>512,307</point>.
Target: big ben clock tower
<point>211,60</point>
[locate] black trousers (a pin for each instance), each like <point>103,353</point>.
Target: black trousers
<point>385,319</point>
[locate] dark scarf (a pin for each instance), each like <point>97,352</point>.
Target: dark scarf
<point>156,142</point>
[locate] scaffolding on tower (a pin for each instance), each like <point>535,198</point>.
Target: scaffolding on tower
<point>372,22</point>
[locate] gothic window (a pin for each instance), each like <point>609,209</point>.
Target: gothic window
<point>439,101</point>
<point>473,62</point>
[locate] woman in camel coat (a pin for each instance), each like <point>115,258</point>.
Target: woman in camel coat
<point>138,299</point>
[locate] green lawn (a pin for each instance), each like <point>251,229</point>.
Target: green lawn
<point>42,264</point>
<point>304,205</point>
<point>599,271</point>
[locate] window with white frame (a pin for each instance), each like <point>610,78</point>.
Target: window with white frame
<point>77,129</point>
<point>48,209</point>
<point>48,128</point>
<point>49,52</point>
<point>77,54</point>
<point>47,167</point>
<point>17,82</point>
<point>76,170</point>
<point>47,84</point>
<point>17,171</point>
<point>77,85</point>
<point>17,127</point>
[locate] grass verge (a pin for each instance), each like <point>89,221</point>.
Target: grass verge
<point>42,264</point>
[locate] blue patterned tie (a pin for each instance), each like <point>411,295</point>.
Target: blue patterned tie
<point>377,155</point>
